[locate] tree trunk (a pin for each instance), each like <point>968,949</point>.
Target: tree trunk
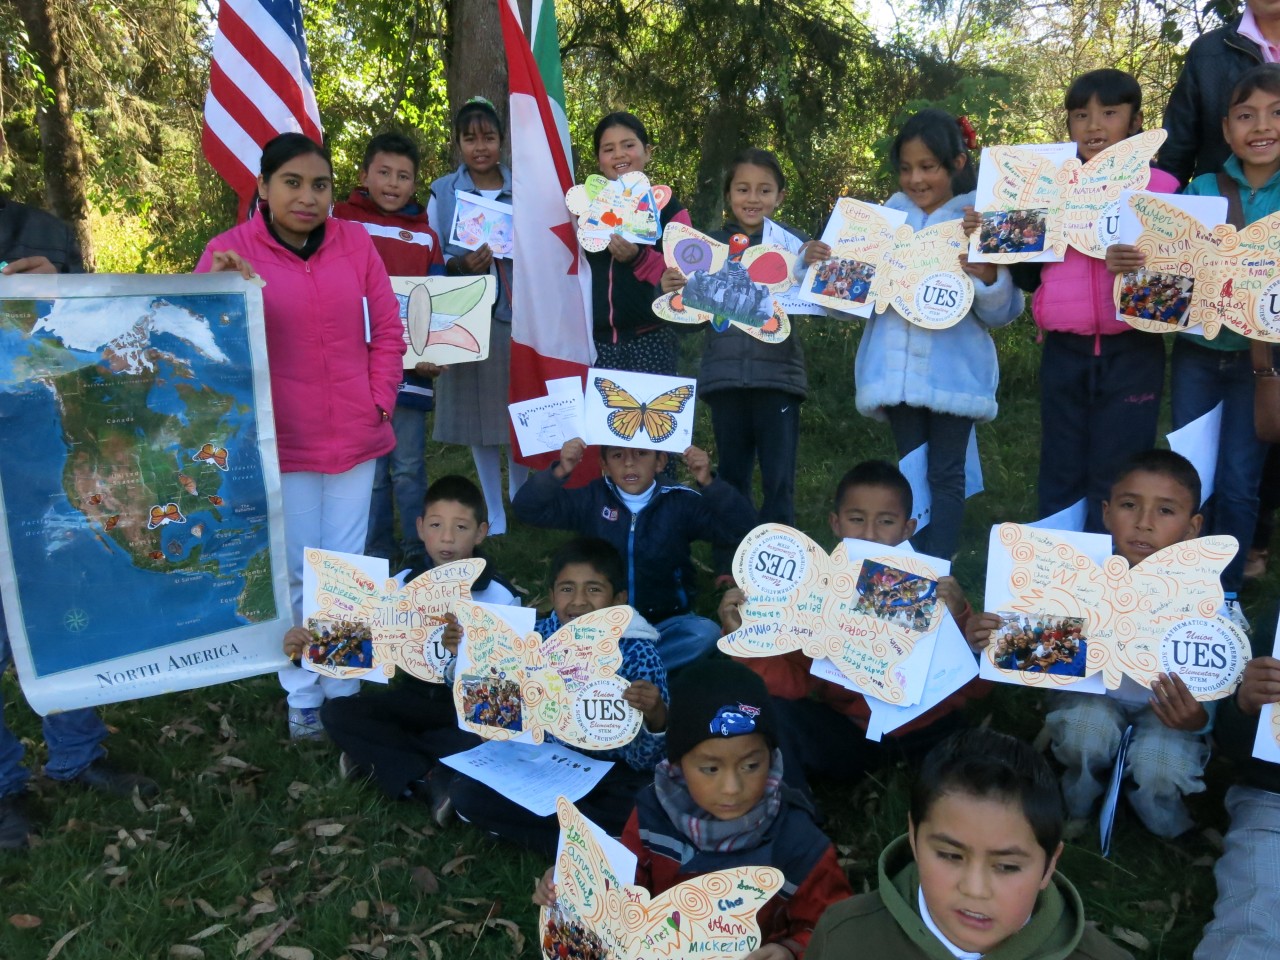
<point>477,63</point>
<point>62,157</point>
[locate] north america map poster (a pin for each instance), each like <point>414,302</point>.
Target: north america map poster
<point>141,536</point>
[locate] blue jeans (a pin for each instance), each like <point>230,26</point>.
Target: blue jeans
<point>685,638</point>
<point>1201,379</point>
<point>401,474</point>
<point>74,739</point>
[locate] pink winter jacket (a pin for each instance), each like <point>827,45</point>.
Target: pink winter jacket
<point>329,388</point>
<point>1074,296</point>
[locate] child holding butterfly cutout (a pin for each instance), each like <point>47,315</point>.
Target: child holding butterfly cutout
<point>1152,505</point>
<point>933,385</point>
<point>754,388</point>
<point>718,802</point>
<point>586,575</point>
<point>652,523</point>
<point>623,276</point>
<point>1100,379</point>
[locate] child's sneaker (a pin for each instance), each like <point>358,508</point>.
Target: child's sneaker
<point>304,723</point>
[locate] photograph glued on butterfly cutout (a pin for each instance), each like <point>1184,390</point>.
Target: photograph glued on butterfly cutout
<point>643,410</point>
<point>726,285</point>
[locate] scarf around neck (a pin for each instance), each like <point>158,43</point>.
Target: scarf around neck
<point>704,831</point>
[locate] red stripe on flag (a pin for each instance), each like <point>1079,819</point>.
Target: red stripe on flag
<point>269,66</point>
<point>243,110</point>
<point>227,165</point>
<point>530,372</point>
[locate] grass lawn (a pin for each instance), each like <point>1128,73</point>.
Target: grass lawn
<point>256,848</point>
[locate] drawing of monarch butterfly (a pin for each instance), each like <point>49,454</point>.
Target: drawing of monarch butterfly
<point>657,417</point>
<point>208,453</point>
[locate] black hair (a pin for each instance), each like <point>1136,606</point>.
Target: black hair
<point>985,764</point>
<point>280,150</point>
<point>876,473</point>
<point>754,156</point>
<point>600,555</point>
<point>1264,77</point>
<point>605,448</point>
<point>1164,463</point>
<point>394,143</point>
<point>1112,88</point>
<point>940,133</point>
<point>477,113</point>
<point>459,490</point>
<point>619,118</point>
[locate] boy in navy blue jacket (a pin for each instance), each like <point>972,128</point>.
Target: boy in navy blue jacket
<point>652,523</point>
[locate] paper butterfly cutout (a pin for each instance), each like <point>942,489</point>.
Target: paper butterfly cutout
<point>1078,201</point>
<point>726,291</point>
<point>627,206</point>
<point>629,416</point>
<point>866,616</point>
<point>435,319</point>
<point>169,513</point>
<point>1128,610</point>
<point>916,272</point>
<point>710,917</point>
<point>208,454</point>
<point>405,622</point>
<point>566,686</point>
<point>1224,277</point>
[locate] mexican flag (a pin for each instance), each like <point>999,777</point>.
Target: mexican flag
<point>551,283</point>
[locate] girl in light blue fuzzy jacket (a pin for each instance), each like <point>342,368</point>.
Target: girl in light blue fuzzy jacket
<point>934,385</point>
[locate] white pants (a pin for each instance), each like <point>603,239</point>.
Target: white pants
<point>329,511</point>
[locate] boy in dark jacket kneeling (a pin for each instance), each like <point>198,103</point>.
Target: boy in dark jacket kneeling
<point>974,876</point>
<point>652,523</point>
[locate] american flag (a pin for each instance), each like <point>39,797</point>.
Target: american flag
<point>259,86</point>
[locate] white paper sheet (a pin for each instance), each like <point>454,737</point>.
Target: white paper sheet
<point>532,775</point>
<point>988,175</point>
<point>615,398</point>
<point>1111,799</point>
<point>545,424</point>
<point>621,861</point>
<point>1198,441</point>
<point>999,596</point>
<point>953,665</point>
<point>1266,744</point>
<point>1069,518</point>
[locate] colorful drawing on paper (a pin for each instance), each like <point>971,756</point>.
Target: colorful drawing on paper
<point>141,534</point>
<point>566,686</point>
<point>626,207</point>
<point>709,917</point>
<point>727,284</point>
<point>1159,615</point>
<point>879,262</point>
<point>478,221</point>
<point>446,319</point>
<point>1218,277</point>
<point>1035,201</point>
<point>339,648</point>
<point>628,409</point>
<point>865,615</point>
<point>405,624</point>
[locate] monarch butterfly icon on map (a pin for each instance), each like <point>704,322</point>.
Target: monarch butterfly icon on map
<point>627,409</point>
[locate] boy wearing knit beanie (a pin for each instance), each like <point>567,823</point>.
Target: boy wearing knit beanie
<point>718,802</point>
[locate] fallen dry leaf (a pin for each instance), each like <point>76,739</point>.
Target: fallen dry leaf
<point>425,880</point>
<point>361,910</point>
<point>292,953</point>
<point>208,931</point>
<point>329,829</point>
<point>455,865</point>
<point>25,921</point>
<point>184,951</point>
<point>1131,937</point>
<point>64,940</point>
<point>284,846</point>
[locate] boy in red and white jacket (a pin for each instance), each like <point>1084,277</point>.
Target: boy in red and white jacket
<point>386,207</point>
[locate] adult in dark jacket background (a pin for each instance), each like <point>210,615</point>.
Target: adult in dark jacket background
<point>1215,61</point>
<point>32,241</point>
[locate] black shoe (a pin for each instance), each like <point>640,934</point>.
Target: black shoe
<point>15,825</point>
<point>117,783</point>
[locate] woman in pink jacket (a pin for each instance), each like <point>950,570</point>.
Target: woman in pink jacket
<point>334,342</point>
